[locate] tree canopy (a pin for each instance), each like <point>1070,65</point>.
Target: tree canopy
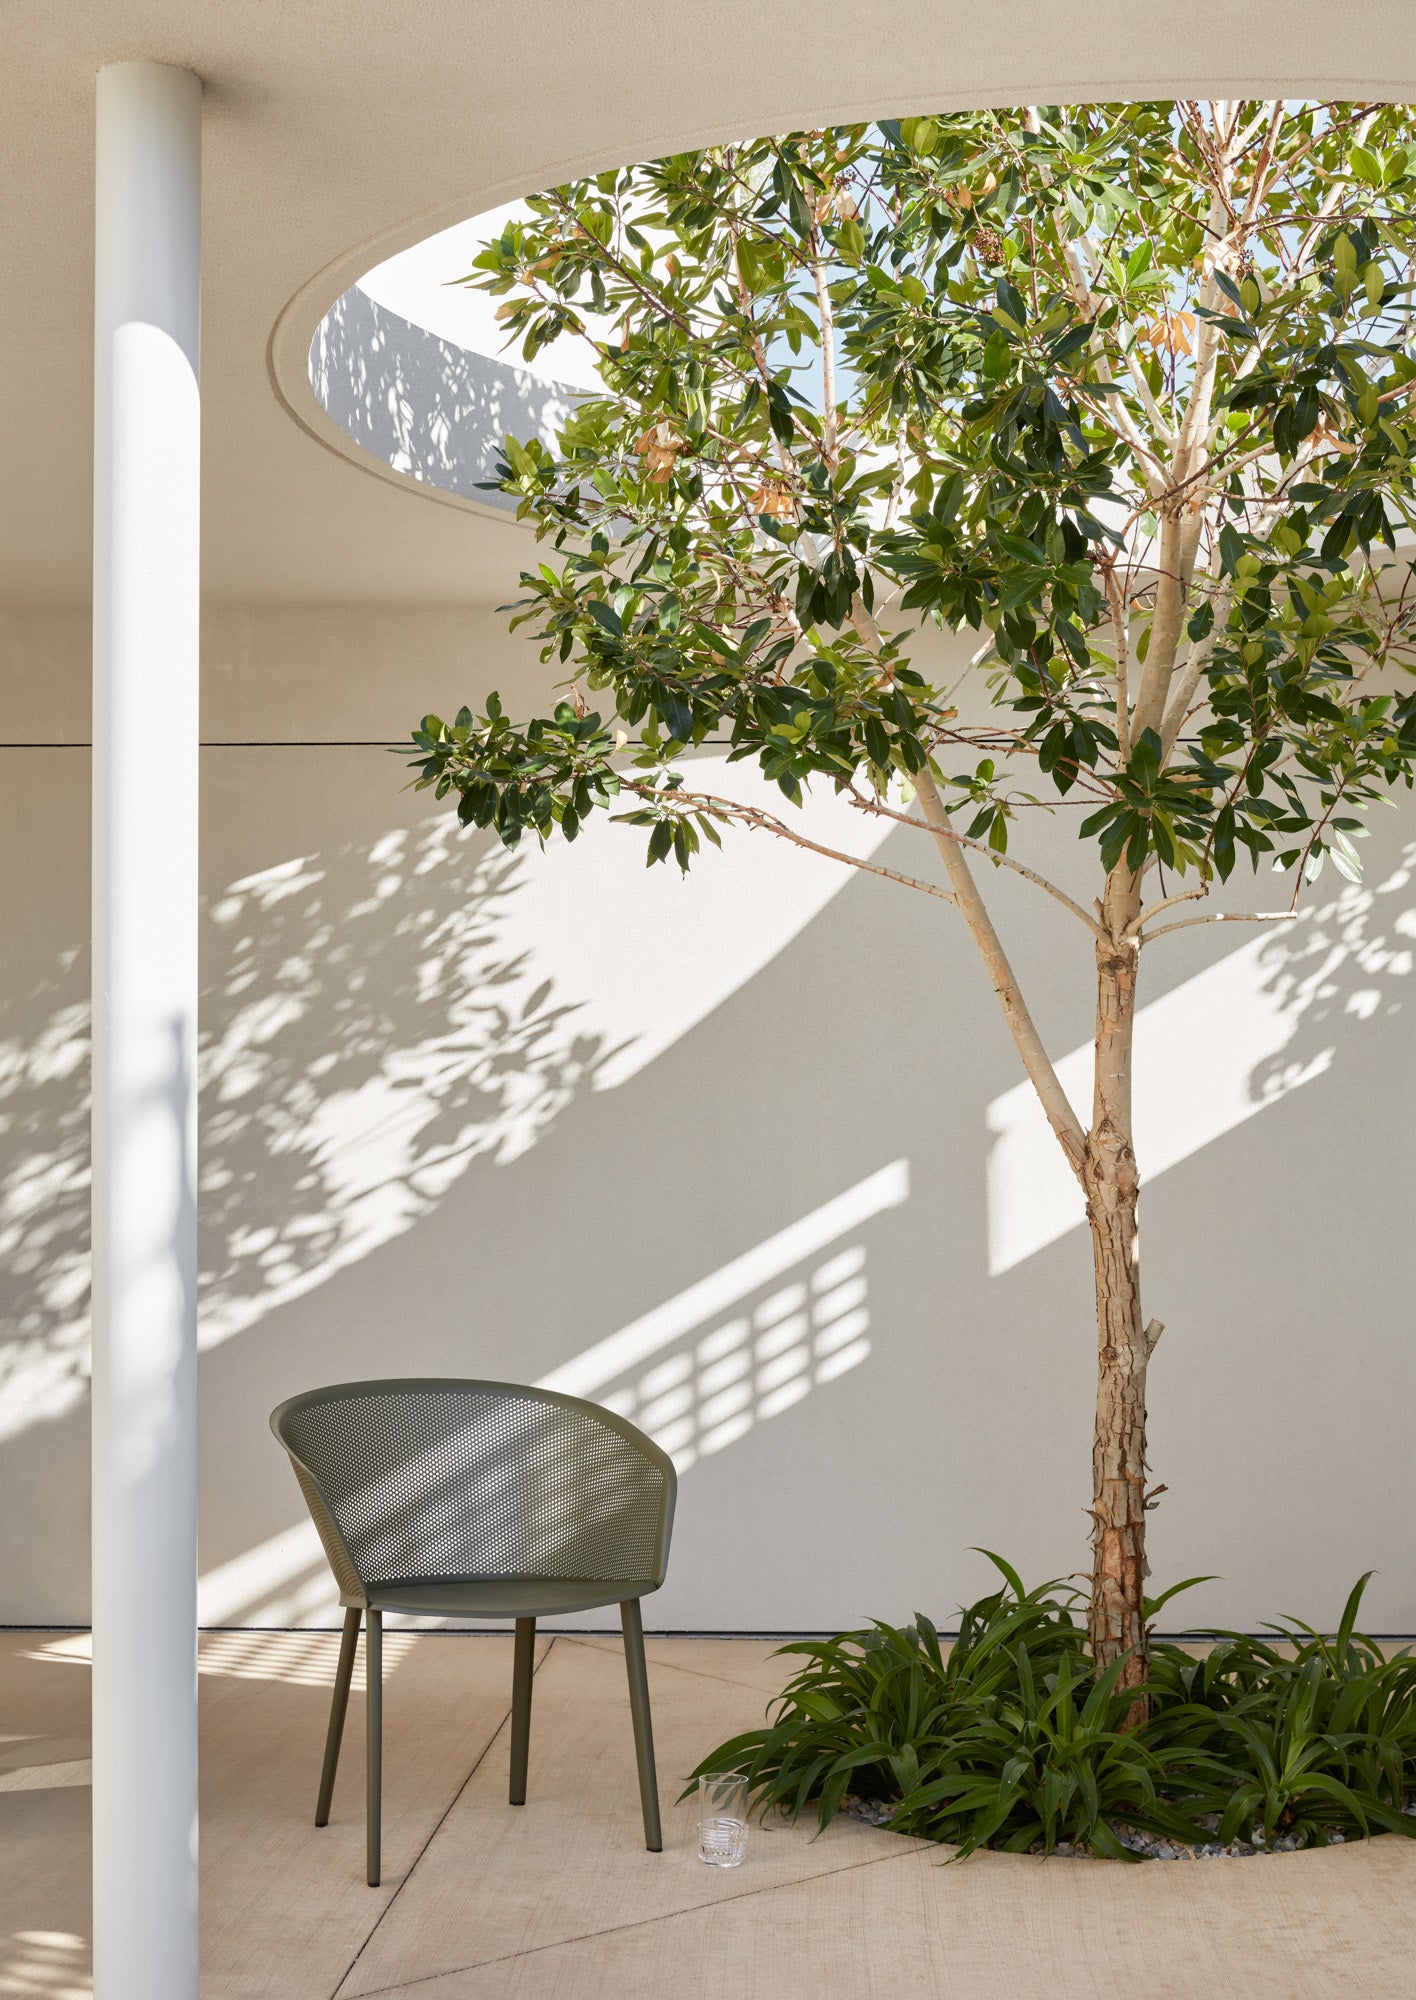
<point>1126,390</point>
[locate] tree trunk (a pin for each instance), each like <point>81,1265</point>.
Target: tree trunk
<point>1124,1342</point>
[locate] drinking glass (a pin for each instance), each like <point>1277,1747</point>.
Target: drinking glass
<point>722,1820</point>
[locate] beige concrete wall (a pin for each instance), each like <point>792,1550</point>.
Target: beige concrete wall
<point>479,1114</point>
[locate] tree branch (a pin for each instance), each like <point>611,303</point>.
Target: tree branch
<point>1036,1061</point>
<point>1133,929</point>
<point>828,351</point>
<point>1191,675</point>
<point>1182,520</point>
<point>1000,860</point>
<point>1218,917</point>
<point>1118,626</point>
<point>1055,1102</point>
<point>731,811</point>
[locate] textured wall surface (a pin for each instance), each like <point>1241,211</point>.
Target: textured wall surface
<point>745,1155</point>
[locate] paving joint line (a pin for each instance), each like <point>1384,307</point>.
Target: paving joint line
<point>409,1873</point>
<point>670,1666</point>
<point>639,1923</point>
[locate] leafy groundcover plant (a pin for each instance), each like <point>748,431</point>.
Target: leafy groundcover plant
<point>1008,1738</point>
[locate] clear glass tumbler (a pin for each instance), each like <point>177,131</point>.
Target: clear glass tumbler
<point>722,1820</point>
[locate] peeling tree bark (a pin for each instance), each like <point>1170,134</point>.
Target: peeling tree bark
<point>1124,1342</point>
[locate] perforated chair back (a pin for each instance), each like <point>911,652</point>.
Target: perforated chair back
<point>445,1481</point>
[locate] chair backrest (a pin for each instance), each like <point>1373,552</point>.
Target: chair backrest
<point>436,1481</point>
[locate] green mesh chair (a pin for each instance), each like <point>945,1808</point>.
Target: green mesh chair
<point>479,1500</point>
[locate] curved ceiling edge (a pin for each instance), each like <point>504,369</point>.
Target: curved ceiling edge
<point>299,322</point>
<point>288,365</point>
<point>292,337</point>
<point>434,411</point>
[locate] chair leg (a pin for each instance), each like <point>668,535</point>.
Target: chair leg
<point>522,1673</point>
<point>373,1718</point>
<point>344,1673</point>
<point>643,1726</point>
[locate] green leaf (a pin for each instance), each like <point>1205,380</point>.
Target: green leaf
<point>1345,858</point>
<point>850,240</point>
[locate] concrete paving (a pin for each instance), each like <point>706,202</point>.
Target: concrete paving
<point>558,1900</point>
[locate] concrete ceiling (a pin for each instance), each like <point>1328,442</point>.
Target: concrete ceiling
<point>338,131</point>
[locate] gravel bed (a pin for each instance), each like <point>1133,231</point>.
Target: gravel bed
<point>875,1812</point>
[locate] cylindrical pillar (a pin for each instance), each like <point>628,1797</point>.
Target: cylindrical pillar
<point>145,652</point>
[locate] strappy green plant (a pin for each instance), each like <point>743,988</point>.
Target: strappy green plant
<point>1312,1734</point>
<point>1008,1737</point>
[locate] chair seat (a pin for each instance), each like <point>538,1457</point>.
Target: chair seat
<point>501,1596</point>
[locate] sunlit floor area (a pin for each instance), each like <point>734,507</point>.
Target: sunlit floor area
<point>558,1900</point>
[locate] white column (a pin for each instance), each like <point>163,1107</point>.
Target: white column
<point>146,492</point>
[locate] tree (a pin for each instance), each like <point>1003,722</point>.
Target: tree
<point>1125,390</point>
